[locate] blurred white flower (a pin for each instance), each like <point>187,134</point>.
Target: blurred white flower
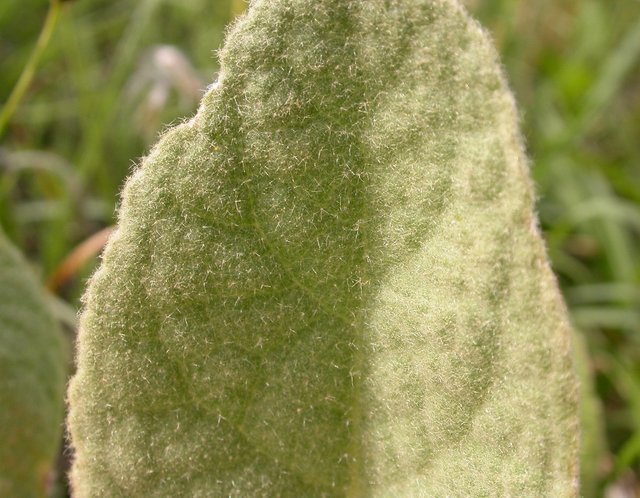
<point>164,71</point>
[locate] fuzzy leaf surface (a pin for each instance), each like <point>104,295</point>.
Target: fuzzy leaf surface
<point>330,281</point>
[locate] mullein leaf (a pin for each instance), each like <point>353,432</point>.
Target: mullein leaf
<point>330,282</point>
<point>33,365</point>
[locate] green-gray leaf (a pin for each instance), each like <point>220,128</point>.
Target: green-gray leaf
<point>330,282</point>
<point>33,367</point>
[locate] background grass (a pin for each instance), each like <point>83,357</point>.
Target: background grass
<point>104,90</point>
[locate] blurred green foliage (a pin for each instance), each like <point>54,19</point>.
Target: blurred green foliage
<point>104,90</point>
<point>34,357</point>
